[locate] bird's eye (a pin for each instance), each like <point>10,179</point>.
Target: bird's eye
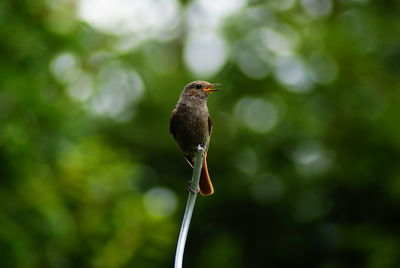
<point>198,86</point>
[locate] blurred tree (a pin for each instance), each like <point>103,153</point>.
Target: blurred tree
<point>304,152</point>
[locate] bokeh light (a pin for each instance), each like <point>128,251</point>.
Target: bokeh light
<point>132,20</point>
<point>65,67</point>
<point>160,202</point>
<point>292,72</point>
<point>205,53</point>
<point>258,115</point>
<point>311,158</point>
<point>317,8</point>
<point>117,89</point>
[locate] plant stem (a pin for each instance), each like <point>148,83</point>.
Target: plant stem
<point>193,190</point>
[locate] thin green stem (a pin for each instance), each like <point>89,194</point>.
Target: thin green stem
<point>193,190</point>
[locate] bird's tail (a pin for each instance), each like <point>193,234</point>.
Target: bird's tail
<point>206,187</point>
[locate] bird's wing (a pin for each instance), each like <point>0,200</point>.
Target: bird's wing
<point>209,125</point>
<point>172,125</point>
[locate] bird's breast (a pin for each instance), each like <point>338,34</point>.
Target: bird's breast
<point>191,126</point>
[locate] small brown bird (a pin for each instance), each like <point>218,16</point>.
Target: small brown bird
<point>191,126</point>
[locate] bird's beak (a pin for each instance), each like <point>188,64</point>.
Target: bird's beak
<point>211,87</point>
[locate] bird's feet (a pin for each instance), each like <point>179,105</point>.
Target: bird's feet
<point>201,147</point>
<point>190,188</point>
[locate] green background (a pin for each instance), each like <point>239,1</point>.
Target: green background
<point>304,154</point>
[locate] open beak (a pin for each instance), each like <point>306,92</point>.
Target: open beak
<point>211,88</point>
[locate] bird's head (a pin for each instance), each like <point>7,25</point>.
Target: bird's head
<point>201,89</point>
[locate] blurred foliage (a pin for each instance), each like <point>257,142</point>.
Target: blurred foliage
<point>305,148</point>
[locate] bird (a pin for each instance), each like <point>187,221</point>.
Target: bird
<point>191,125</point>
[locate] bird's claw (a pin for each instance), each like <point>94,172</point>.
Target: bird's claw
<point>190,188</point>
<point>200,147</point>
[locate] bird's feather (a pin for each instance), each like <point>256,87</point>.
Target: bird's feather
<point>209,125</point>
<point>172,126</point>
